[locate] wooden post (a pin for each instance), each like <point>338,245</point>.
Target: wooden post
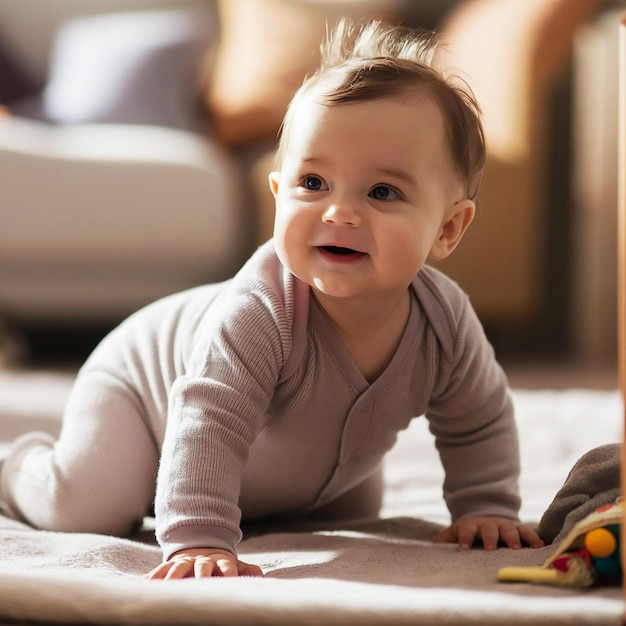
<point>621,235</point>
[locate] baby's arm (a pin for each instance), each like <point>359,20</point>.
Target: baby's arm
<point>472,418</point>
<point>202,563</point>
<point>215,411</point>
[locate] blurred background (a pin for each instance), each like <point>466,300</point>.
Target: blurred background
<point>137,135</point>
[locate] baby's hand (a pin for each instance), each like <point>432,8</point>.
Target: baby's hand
<point>202,563</point>
<point>491,531</point>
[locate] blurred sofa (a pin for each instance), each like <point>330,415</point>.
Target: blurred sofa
<point>112,193</point>
<point>134,160</point>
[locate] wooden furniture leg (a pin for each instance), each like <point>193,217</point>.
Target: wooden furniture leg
<point>621,233</point>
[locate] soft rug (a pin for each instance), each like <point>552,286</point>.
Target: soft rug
<point>378,571</point>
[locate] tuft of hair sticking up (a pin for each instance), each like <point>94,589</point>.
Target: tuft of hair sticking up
<point>375,40</point>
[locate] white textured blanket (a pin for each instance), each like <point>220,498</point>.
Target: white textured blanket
<point>382,571</point>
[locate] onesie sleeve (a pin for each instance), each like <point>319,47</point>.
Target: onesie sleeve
<point>215,412</point>
<point>471,416</point>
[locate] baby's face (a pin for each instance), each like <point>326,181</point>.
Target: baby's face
<point>364,191</point>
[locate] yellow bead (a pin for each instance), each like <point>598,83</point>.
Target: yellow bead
<point>600,543</point>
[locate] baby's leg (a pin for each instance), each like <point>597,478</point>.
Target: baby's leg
<point>99,476</point>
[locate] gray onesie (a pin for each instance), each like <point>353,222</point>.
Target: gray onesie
<point>243,399</point>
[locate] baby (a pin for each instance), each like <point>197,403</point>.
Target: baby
<point>279,391</point>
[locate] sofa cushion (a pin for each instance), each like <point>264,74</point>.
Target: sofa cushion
<point>266,49</point>
<point>131,67</point>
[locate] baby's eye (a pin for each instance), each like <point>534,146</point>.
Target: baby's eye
<point>312,183</point>
<point>383,192</point>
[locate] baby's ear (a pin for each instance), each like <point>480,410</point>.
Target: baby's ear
<point>273,179</point>
<point>458,219</point>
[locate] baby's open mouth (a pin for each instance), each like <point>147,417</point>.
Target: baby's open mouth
<point>339,250</point>
<point>342,253</point>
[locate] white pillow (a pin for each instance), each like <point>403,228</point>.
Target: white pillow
<point>133,67</point>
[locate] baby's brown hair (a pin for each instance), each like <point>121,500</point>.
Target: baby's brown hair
<point>381,61</point>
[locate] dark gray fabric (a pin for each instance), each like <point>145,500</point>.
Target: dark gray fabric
<point>593,481</point>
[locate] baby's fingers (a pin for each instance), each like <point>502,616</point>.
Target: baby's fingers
<point>447,535</point>
<point>206,567</point>
<point>158,572</point>
<point>510,535</point>
<point>490,534</point>
<point>180,568</point>
<point>464,533</point>
<point>176,568</point>
<point>247,569</point>
<point>530,537</point>
<point>169,569</point>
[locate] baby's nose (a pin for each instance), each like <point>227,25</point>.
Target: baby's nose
<point>342,214</point>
